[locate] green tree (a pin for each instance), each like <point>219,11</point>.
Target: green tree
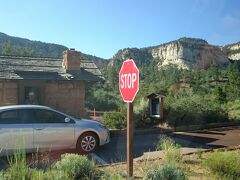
<point>220,94</point>
<point>111,74</point>
<point>233,86</point>
<point>8,49</point>
<point>213,73</point>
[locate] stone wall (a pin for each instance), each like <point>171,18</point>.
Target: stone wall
<point>68,97</point>
<point>8,92</point>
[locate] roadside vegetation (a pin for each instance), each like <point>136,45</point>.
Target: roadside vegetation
<point>191,96</point>
<point>217,165</point>
<point>224,164</point>
<point>69,167</point>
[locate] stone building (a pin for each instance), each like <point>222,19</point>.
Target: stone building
<point>58,83</point>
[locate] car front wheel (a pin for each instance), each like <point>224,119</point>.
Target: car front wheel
<point>87,143</point>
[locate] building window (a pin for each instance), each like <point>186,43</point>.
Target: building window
<point>28,88</point>
<point>32,95</point>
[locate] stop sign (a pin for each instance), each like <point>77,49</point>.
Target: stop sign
<point>128,80</point>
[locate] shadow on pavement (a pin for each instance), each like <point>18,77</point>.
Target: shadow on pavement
<point>198,139</point>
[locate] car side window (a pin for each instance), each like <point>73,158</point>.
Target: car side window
<point>46,116</point>
<point>16,117</point>
<point>26,115</point>
<point>42,116</point>
<point>59,118</point>
<point>9,117</point>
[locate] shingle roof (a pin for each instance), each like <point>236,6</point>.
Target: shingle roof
<point>155,95</point>
<point>46,69</point>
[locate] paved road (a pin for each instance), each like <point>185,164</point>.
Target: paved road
<point>115,151</point>
<point>215,138</point>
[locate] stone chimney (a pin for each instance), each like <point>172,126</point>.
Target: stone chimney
<point>71,60</point>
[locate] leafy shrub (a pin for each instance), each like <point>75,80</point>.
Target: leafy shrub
<point>100,99</point>
<point>37,174</point>
<point>75,166</point>
<point>189,109</point>
<point>224,164</point>
<point>16,171</point>
<point>233,109</point>
<point>114,120</point>
<point>172,151</point>
<point>165,172</point>
<point>199,153</point>
<point>140,116</point>
<point>17,166</point>
<point>112,176</point>
<point>117,120</point>
<point>70,167</point>
<point>1,175</point>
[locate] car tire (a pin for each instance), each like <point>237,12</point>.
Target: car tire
<point>87,143</point>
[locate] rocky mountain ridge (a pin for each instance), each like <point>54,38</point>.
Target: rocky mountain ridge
<point>232,51</point>
<point>186,53</point>
<point>39,49</point>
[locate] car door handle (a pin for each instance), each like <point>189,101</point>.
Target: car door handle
<point>38,129</point>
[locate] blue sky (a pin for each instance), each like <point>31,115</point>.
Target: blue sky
<point>102,27</point>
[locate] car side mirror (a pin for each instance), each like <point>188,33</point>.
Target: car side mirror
<point>67,120</point>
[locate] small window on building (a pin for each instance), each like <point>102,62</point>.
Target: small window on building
<point>32,95</point>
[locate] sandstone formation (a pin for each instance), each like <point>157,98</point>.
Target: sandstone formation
<point>186,53</point>
<point>232,51</point>
<point>189,54</point>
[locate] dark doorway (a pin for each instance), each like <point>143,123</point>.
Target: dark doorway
<point>33,89</point>
<point>155,106</point>
<point>27,86</point>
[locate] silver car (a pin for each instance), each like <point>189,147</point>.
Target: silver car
<point>35,128</point>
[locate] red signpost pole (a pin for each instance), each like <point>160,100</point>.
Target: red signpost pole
<point>130,133</point>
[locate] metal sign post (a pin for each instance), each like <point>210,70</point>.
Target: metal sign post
<point>130,125</point>
<point>128,86</point>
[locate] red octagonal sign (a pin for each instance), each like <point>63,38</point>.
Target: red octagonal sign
<point>128,80</point>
